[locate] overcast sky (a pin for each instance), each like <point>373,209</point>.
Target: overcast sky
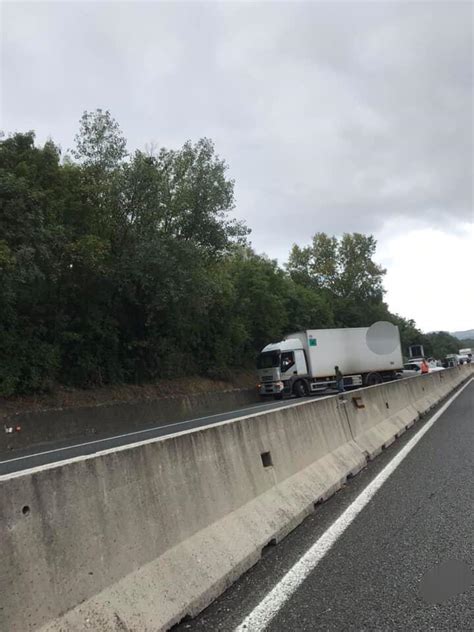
<point>336,117</point>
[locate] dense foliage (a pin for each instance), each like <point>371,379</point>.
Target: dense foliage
<point>118,267</point>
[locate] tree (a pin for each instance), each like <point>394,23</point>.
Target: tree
<point>358,275</point>
<point>316,265</point>
<point>465,343</point>
<point>344,273</point>
<point>100,142</point>
<point>409,332</point>
<point>439,344</point>
<point>307,308</point>
<point>343,267</point>
<point>117,267</point>
<point>196,197</point>
<point>29,183</point>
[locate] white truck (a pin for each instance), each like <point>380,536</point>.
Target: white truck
<point>304,362</point>
<point>451,360</point>
<point>465,355</point>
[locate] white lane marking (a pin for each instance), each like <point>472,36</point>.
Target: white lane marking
<point>137,444</point>
<point>132,434</point>
<point>266,610</point>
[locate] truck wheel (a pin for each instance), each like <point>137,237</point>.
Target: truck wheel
<point>299,389</point>
<point>278,396</point>
<point>373,378</point>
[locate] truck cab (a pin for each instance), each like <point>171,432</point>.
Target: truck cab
<point>279,365</point>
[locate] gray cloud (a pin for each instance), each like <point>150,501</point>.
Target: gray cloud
<point>334,117</point>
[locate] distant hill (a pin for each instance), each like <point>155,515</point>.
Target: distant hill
<point>462,335</point>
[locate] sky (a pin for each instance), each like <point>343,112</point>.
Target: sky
<point>334,117</point>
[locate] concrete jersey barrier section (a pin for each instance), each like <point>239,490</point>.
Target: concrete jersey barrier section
<point>138,537</point>
<point>378,415</point>
<point>106,420</point>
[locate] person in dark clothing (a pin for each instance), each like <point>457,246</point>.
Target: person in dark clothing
<point>339,380</point>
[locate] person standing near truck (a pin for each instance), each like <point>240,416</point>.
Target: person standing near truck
<point>424,367</point>
<point>339,380</point>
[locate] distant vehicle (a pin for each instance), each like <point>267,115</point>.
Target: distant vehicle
<point>414,368</point>
<point>435,365</point>
<point>451,360</point>
<point>467,354</point>
<point>410,368</point>
<point>416,352</point>
<point>303,363</point>
<point>454,359</point>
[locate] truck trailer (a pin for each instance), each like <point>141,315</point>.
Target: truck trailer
<point>304,362</point>
<point>466,354</point>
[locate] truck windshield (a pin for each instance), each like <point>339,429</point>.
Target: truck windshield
<point>268,360</point>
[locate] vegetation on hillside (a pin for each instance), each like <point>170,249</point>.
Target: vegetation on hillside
<point>125,267</point>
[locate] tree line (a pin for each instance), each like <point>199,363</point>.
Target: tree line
<point>126,267</point>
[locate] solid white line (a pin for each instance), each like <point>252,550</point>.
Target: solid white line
<point>264,612</point>
<point>260,408</point>
<point>131,434</point>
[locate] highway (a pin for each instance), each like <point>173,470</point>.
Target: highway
<point>403,561</point>
<point>66,449</point>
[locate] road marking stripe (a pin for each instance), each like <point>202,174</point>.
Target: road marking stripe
<point>131,434</point>
<point>261,408</point>
<point>266,610</point>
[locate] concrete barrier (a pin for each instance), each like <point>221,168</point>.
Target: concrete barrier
<point>377,416</point>
<point>105,420</point>
<point>426,391</point>
<point>136,538</point>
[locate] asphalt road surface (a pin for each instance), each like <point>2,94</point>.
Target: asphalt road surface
<point>69,448</point>
<point>403,563</point>
<point>61,450</point>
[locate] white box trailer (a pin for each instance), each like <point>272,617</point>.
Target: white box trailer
<point>304,362</point>
<point>348,349</point>
<point>466,354</point>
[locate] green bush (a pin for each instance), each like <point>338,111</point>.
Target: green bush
<point>129,267</point>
